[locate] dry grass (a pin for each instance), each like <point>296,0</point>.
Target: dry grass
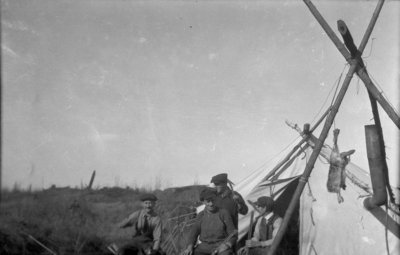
<point>73,221</point>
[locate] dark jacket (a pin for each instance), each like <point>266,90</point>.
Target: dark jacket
<point>234,207</point>
<point>213,227</point>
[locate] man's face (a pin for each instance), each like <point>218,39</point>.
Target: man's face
<point>148,205</point>
<point>209,204</point>
<point>261,209</point>
<point>220,187</point>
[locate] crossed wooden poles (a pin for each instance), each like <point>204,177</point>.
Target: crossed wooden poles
<point>356,66</point>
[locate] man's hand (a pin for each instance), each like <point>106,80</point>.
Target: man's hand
<point>150,251</point>
<point>252,243</point>
<point>221,248</point>
<point>235,196</point>
<point>188,250</point>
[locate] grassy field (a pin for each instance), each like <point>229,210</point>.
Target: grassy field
<point>75,221</point>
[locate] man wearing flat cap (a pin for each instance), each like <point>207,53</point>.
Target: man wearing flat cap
<point>147,229</point>
<point>213,227</point>
<point>227,198</point>
<point>266,227</point>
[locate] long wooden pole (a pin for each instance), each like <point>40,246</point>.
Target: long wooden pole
<point>361,72</point>
<point>339,45</point>
<point>377,95</point>
<point>370,27</point>
<point>328,123</point>
<point>91,180</point>
<point>250,230</point>
<point>41,245</point>
<point>314,156</point>
<point>348,41</point>
<point>377,120</point>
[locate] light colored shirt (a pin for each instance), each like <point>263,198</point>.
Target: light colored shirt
<point>138,218</point>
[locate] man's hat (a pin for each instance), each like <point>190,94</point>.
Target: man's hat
<point>208,194</point>
<point>220,179</point>
<point>148,197</point>
<point>265,201</point>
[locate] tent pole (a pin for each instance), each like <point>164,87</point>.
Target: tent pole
<point>377,95</point>
<point>373,92</point>
<point>361,72</point>
<point>313,158</point>
<point>348,40</point>
<point>370,27</point>
<point>295,148</point>
<point>375,112</point>
<point>339,45</point>
<point>320,120</point>
<point>355,65</point>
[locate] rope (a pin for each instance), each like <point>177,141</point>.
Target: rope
<point>180,216</point>
<point>386,231</point>
<point>322,161</point>
<point>370,49</point>
<point>383,93</point>
<point>337,86</point>
<point>273,157</point>
<point>337,82</point>
<point>326,99</point>
<point>310,193</point>
<point>358,182</point>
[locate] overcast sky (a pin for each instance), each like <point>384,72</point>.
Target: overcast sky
<point>178,91</point>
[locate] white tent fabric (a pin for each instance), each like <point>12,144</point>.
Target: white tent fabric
<point>253,187</point>
<point>327,227</point>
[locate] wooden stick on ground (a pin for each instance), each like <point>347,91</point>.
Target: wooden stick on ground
<point>42,245</point>
<point>250,230</point>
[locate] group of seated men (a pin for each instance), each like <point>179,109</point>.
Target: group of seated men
<point>215,229</point>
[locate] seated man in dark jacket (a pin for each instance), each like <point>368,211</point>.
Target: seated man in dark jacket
<point>147,229</point>
<point>214,228</point>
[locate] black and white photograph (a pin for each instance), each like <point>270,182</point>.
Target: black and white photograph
<point>191,127</point>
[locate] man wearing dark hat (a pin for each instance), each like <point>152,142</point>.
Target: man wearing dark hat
<point>213,227</point>
<point>267,225</point>
<point>227,198</point>
<point>147,229</point>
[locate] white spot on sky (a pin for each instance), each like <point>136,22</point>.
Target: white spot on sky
<point>212,56</point>
<point>8,51</point>
<point>322,84</point>
<point>214,147</point>
<point>142,40</point>
<point>100,139</point>
<point>19,26</point>
<point>368,240</point>
<point>16,25</point>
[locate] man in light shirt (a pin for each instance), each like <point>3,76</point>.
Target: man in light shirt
<point>147,229</point>
<point>267,225</point>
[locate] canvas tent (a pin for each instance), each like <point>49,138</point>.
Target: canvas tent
<point>326,227</point>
